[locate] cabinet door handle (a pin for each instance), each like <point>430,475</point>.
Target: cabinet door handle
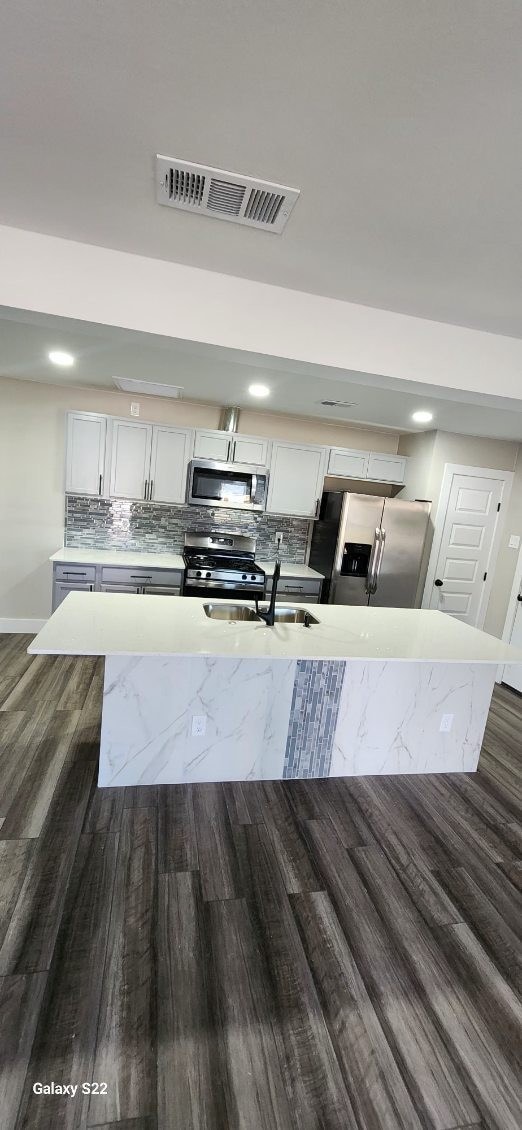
<point>140,578</point>
<point>317,508</point>
<point>151,484</point>
<point>438,583</point>
<point>145,490</point>
<point>100,484</point>
<point>68,573</point>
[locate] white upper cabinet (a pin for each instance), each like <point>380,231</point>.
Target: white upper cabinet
<point>86,450</point>
<point>386,468</point>
<point>296,479</point>
<point>250,449</point>
<point>171,452</point>
<point>130,461</point>
<point>229,447</point>
<point>212,445</point>
<point>352,464</point>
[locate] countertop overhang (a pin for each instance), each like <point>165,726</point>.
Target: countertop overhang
<point>127,624</point>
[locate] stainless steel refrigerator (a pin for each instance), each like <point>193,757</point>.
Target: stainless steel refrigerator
<point>369,549</point>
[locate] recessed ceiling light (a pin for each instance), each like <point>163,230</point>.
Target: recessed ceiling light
<point>259,390</point>
<point>422,417</point>
<point>59,357</point>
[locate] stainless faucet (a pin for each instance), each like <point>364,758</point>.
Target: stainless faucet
<point>269,615</point>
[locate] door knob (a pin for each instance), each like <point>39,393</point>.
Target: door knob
<point>438,583</point>
<point>519,597</point>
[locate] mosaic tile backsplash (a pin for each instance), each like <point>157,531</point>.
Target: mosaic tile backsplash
<point>313,717</point>
<point>105,523</point>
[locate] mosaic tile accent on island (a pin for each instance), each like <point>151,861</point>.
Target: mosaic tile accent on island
<point>313,717</point>
<point>104,523</point>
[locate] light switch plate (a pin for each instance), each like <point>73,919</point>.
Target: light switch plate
<point>135,408</point>
<point>446,723</point>
<point>514,541</point>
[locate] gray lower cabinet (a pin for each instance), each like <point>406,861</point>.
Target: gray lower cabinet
<point>306,589</point>
<point>61,589</point>
<point>113,579</point>
<point>120,588</point>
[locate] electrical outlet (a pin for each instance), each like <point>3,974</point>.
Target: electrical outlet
<point>199,725</point>
<point>514,541</point>
<point>279,538</point>
<point>446,723</point>
<point>135,408</point>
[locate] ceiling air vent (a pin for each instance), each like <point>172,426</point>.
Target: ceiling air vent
<point>338,403</point>
<point>226,196</point>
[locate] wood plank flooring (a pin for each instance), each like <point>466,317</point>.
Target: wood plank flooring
<point>328,955</point>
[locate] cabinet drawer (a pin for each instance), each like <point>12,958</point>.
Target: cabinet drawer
<point>290,586</point>
<point>75,574</point>
<point>117,575</point>
<point>161,590</point>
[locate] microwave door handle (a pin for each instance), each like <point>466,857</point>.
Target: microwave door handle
<point>381,555</point>
<point>253,489</point>
<point>370,578</point>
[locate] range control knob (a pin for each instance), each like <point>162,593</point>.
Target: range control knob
<point>244,577</point>
<point>198,574</point>
<point>208,574</point>
<point>253,577</point>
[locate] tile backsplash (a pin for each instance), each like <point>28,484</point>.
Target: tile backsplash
<point>106,523</point>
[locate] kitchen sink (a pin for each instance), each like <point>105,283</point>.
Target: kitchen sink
<point>284,615</point>
<point>230,612</point>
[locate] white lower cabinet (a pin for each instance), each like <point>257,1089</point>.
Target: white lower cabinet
<point>296,479</point>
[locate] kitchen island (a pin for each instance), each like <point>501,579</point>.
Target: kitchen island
<point>363,691</point>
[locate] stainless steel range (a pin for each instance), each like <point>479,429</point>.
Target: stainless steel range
<point>223,565</point>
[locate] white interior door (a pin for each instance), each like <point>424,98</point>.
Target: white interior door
<point>512,674</point>
<point>456,584</point>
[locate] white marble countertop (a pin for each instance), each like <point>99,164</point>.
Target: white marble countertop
<point>130,557</point>
<point>135,558</point>
<point>289,569</point>
<point>127,624</point>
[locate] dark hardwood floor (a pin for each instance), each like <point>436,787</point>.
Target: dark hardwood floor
<point>257,956</point>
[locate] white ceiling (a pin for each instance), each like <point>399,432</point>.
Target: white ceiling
<point>221,376</point>
<point>400,122</point>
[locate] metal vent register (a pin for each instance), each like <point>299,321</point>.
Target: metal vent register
<point>223,195</point>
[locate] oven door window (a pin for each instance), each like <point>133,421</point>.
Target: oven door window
<point>221,486</point>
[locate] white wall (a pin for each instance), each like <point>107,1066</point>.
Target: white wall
<point>32,447</point>
<point>97,284</point>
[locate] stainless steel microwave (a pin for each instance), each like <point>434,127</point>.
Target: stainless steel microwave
<point>238,486</point>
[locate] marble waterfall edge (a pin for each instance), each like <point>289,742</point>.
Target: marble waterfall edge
<point>277,718</point>
<point>149,703</point>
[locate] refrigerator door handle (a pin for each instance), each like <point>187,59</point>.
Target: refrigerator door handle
<point>371,578</point>
<point>382,543</point>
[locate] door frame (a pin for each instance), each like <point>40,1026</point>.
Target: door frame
<point>451,469</point>
<point>511,610</point>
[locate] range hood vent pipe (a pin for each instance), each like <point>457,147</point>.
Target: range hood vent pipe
<point>229,419</point>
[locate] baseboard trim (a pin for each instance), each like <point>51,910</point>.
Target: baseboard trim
<point>20,627</point>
